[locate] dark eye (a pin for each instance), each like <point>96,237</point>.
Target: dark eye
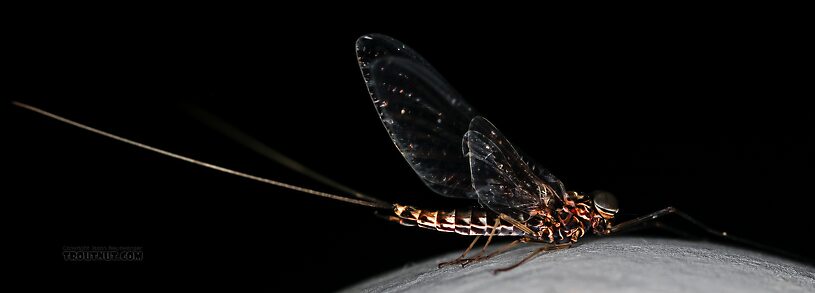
<point>605,201</point>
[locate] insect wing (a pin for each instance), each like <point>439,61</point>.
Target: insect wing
<point>501,179</point>
<point>544,174</point>
<point>375,46</point>
<point>424,116</point>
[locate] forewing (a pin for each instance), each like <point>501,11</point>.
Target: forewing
<point>375,46</point>
<point>501,179</point>
<point>425,117</point>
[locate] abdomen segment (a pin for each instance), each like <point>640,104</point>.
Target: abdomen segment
<point>462,221</point>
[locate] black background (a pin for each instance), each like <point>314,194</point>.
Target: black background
<point>705,116</point>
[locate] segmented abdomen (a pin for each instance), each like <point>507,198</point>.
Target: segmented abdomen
<point>464,222</point>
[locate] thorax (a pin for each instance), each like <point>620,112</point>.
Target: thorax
<point>564,224</point>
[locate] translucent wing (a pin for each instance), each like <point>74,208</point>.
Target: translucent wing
<point>544,174</point>
<point>425,117</point>
<point>501,179</point>
<point>374,46</point>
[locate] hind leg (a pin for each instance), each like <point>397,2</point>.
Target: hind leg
<point>461,258</point>
<point>546,247</point>
<point>498,251</point>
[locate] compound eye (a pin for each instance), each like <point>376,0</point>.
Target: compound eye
<point>605,203</point>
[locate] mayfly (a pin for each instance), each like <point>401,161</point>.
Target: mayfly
<point>460,154</point>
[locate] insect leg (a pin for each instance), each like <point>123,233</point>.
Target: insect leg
<point>464,261</point>
<point>489,239</point>
<point>661,213</point>
<point>663,226</point>
<point>546,247</point>
<point>504,248</point>
<point>460,258</point>
<point>517,224</point>
<point>627,225</point>
<point>498,251</point>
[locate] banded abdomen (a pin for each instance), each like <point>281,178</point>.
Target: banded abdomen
<point>461,221</point>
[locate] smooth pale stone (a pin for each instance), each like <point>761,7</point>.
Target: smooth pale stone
<point>614,264</point>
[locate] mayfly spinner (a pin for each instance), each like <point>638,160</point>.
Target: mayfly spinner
<point>457,153</point>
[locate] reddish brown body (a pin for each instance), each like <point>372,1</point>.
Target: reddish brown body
<point>566,223</point>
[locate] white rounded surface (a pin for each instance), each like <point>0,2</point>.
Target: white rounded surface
<point>615,264</point>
